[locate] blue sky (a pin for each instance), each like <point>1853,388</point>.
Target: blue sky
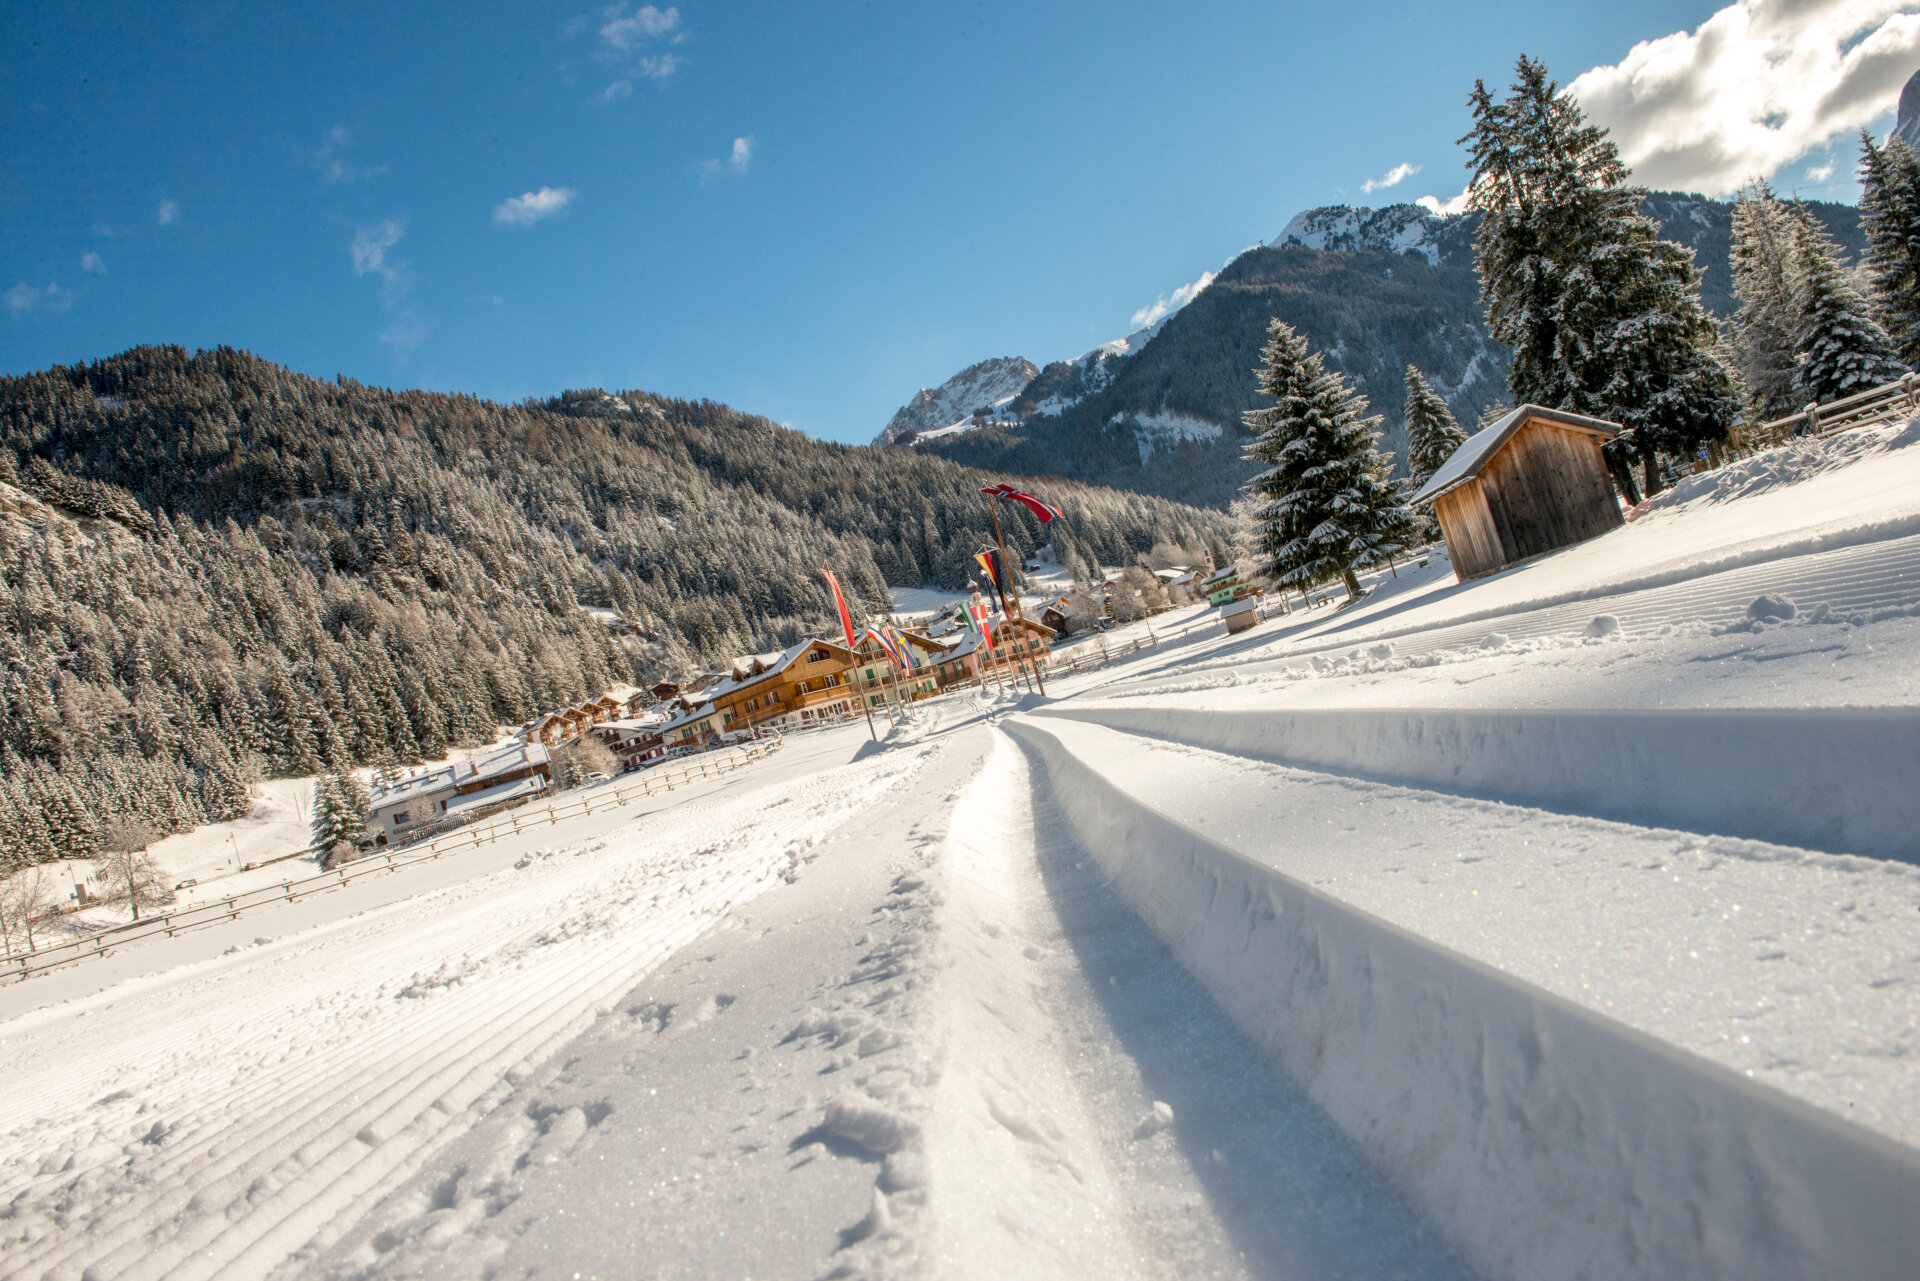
<point>807,211</point>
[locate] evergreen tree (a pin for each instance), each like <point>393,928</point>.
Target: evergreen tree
<point>1432,433</point>
<point>1890,215</point>
<point>1843,348</point>
<point>1329,503</point>
<point>1766,329</point>
<point>1603,316</point>
<point>339,812</point>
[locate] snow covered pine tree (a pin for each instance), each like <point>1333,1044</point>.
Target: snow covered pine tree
<point>1432,436</point>
<point>339,816</point>
<point>1843,348</point>
<point>1890,215</point>
<point>1604,317</point>
<point>1329,503</point>
<point>1766,328</point>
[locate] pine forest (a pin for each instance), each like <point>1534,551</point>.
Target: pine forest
<point>213,569</point>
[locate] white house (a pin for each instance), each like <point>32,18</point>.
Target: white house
<point>457,791</point>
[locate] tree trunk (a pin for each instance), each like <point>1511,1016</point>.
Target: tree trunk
<point>1353,584</point>
<point>1623,477</point>
<point>1652,466</point>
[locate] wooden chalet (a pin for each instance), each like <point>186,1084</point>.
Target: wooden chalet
<point>1532,482</point>
<point>795,686</point>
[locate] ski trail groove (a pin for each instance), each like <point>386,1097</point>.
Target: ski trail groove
<point>262,1131</point>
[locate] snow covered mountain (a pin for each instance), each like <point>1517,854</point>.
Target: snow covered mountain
<point>1395,229</point>
<point>1374,290</point>
<point>1065,383</point>
<point>977,393</point>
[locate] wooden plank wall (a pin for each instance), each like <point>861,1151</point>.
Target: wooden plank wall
<point>1547,487</point>
<point>1473,543</point>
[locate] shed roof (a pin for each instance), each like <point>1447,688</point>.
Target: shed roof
<point>1466,461</point>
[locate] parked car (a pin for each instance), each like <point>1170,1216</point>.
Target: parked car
<point>596,777</point>
<point>189,883</point>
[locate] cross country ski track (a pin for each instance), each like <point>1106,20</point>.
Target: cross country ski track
<point>1018,995</point>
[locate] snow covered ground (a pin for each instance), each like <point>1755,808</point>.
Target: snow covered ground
<point>1453,934</point>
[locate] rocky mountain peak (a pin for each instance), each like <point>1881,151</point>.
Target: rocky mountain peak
<point>978,393</point>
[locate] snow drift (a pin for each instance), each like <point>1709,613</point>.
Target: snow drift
<point>1832,779</point>
<point>1548,1140</point>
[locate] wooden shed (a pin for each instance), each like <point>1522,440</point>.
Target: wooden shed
<point>1534,481</point>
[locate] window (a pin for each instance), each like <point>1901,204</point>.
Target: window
<point>818,656</point>
<point>400,818</point>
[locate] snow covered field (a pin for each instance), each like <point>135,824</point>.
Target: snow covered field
<point>1450,935</point>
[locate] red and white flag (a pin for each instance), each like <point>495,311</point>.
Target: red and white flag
<point>840,603</point>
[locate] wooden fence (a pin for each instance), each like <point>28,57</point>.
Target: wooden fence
<point>1897,399</point>
<point>652,782</point>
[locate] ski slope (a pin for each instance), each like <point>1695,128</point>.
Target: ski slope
<point>1502,946</point>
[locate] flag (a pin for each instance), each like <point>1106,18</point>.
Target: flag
<point>990,562</point>
<point>982,619</point>
<point>893,654</point>
<point>1044,510</point>
<point>840,603</point>
<point>907,649</point>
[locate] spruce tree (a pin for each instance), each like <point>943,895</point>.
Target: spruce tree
<point>1890,215</point>
<point>1843,348</point>
<point>1766,328</point>
<point>1604,317</point>
<point>1329,502</point>
<point>339,812</point>
<point>1432,433</point>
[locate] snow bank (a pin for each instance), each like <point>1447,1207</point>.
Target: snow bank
<point>1546,1139</point>
<point>1787,464</point>
<point>1834,779</point>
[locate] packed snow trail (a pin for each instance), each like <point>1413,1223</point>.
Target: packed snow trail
<point>1099,1115</point>
<point>212,1120</point>
<point>942,1050</point>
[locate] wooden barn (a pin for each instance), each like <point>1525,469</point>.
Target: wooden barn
<point>1534,481</point>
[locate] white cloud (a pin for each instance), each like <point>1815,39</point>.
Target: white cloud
<point>1757,86</point>
<point>94,263</point>
<point>622,31</point>
<point>24,297</point>
<point>628,42</point>
<point>526,209</point>
<point>369,252</point>
<point>169,210</point>
<point>1167,304</point>
<point>736,162</point>
<point>1445,208</point>
<point>1395,176</point>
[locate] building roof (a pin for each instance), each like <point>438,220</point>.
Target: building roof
<point>1221,575</point>
<point>1478,449</point>
<point>451,774</point>
<point>688,717</point>
<point>527,786</point>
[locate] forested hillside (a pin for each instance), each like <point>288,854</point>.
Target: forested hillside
<point>213,568</point>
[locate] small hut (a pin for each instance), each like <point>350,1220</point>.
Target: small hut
<point>1534,481</point>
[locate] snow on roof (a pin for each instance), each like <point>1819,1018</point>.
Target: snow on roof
<point>1222,574</point>
<point>1465,462</point>
<point>444,777</point>
<point>688,717</point>
<point>493,795</point>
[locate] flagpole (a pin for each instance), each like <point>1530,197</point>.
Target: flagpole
<point>1013,592</point>
<point>846,624</point>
